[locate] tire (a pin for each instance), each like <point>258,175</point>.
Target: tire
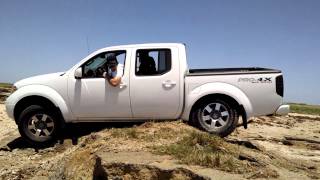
<point>39,126</point>
<point>216,116</point>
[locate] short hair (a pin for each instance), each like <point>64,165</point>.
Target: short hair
<point>111,59</point>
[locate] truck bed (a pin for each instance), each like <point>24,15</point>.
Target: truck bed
<point>231,71</point>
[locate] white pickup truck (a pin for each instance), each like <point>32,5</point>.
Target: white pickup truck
<point>211,99</point>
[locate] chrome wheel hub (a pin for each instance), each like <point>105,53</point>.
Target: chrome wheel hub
<point>41,125</point>
<point>215,116</point>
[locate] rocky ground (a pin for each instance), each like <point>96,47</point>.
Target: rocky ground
<point>4,92</point>
<point>272,147</point>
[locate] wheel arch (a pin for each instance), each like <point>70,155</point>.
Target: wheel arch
<point>227,98</point>
<point>39,95</point>
<point>218,90</point>
<point>239,108</point>
<point>34,100</point>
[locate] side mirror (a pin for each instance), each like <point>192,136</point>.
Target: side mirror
<point>78,73</point>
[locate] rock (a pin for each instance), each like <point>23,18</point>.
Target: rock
<point>287,142</point>
<point>143,171</point>
<point>247,143</point>
<point>305,116</point>
<point>301,139</point>
<point>263,173</point>
<point>81,165</point>
<point>5,148</point>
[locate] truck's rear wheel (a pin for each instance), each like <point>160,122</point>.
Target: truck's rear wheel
<point>38,125</point>
<point>216,116</point>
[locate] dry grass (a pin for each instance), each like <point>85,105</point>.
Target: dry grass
<point>187,144</point>
<point>199,148</point>
<point>5,90</point>
<point>152,131</point>
<point>124,133</point>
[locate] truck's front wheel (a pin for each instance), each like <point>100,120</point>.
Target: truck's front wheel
<point>38,125</point>
<point>216,116</point>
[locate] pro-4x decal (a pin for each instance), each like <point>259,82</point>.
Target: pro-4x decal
<point>256,80</point>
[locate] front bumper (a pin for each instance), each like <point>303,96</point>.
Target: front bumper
<point>9,109</point>
<point>283,110</point>
<point>10,104</point>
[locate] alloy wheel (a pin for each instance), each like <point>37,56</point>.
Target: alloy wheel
<point>215,116</point>
<point>41,125</point>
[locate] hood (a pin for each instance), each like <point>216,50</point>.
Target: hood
<point>40,79</point>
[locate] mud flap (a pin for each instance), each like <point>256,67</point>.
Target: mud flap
<point>244,117</point>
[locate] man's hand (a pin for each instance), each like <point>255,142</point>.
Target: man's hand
<point>115,81</point>
<point>112,81</point>
<point>106,75</point>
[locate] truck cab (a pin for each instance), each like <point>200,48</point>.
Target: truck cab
<point>151,91</point>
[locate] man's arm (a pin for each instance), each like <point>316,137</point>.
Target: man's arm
<point>115,81</point>
<point>112,81</point>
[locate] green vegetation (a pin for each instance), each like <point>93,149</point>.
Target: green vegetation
<point>7,85</point>
<point>199,148</point>
<point>305,109</point>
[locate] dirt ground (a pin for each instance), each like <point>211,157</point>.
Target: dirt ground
<point>283,147</point>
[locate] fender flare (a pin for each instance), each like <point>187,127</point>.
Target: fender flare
<point>216,88</point>
<point>46,92</point>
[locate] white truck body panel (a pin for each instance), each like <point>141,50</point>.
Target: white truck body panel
<point>156,97</point>
<point>44,91</point>
<point>95,98</point>
<point>196,90</point>
<point>256,98</point>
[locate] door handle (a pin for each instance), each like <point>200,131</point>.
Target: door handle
<point>168,83</point>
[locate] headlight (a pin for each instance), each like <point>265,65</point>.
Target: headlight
<point>13,89</point>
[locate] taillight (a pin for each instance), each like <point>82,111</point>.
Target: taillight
<point>279,85</point>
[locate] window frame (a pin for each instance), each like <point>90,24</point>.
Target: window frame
<point>106,52</point>
<point>152,49</point>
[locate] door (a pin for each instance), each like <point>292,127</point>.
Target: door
<point>154,83</point>
<point>92,97</point>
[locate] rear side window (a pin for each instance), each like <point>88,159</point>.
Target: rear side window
<point>150,62</point>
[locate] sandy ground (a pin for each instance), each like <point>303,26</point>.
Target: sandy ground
<point>8,129</point>
<point>289,145</point>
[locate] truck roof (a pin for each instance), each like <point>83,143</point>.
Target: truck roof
<point>145,45</point>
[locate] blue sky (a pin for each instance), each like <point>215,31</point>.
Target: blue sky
<point>38,37</point>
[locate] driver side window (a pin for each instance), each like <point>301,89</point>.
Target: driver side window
<point>96,66</point>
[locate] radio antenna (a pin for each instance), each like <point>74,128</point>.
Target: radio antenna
<point>88,17</point>
<point>88,48</point>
